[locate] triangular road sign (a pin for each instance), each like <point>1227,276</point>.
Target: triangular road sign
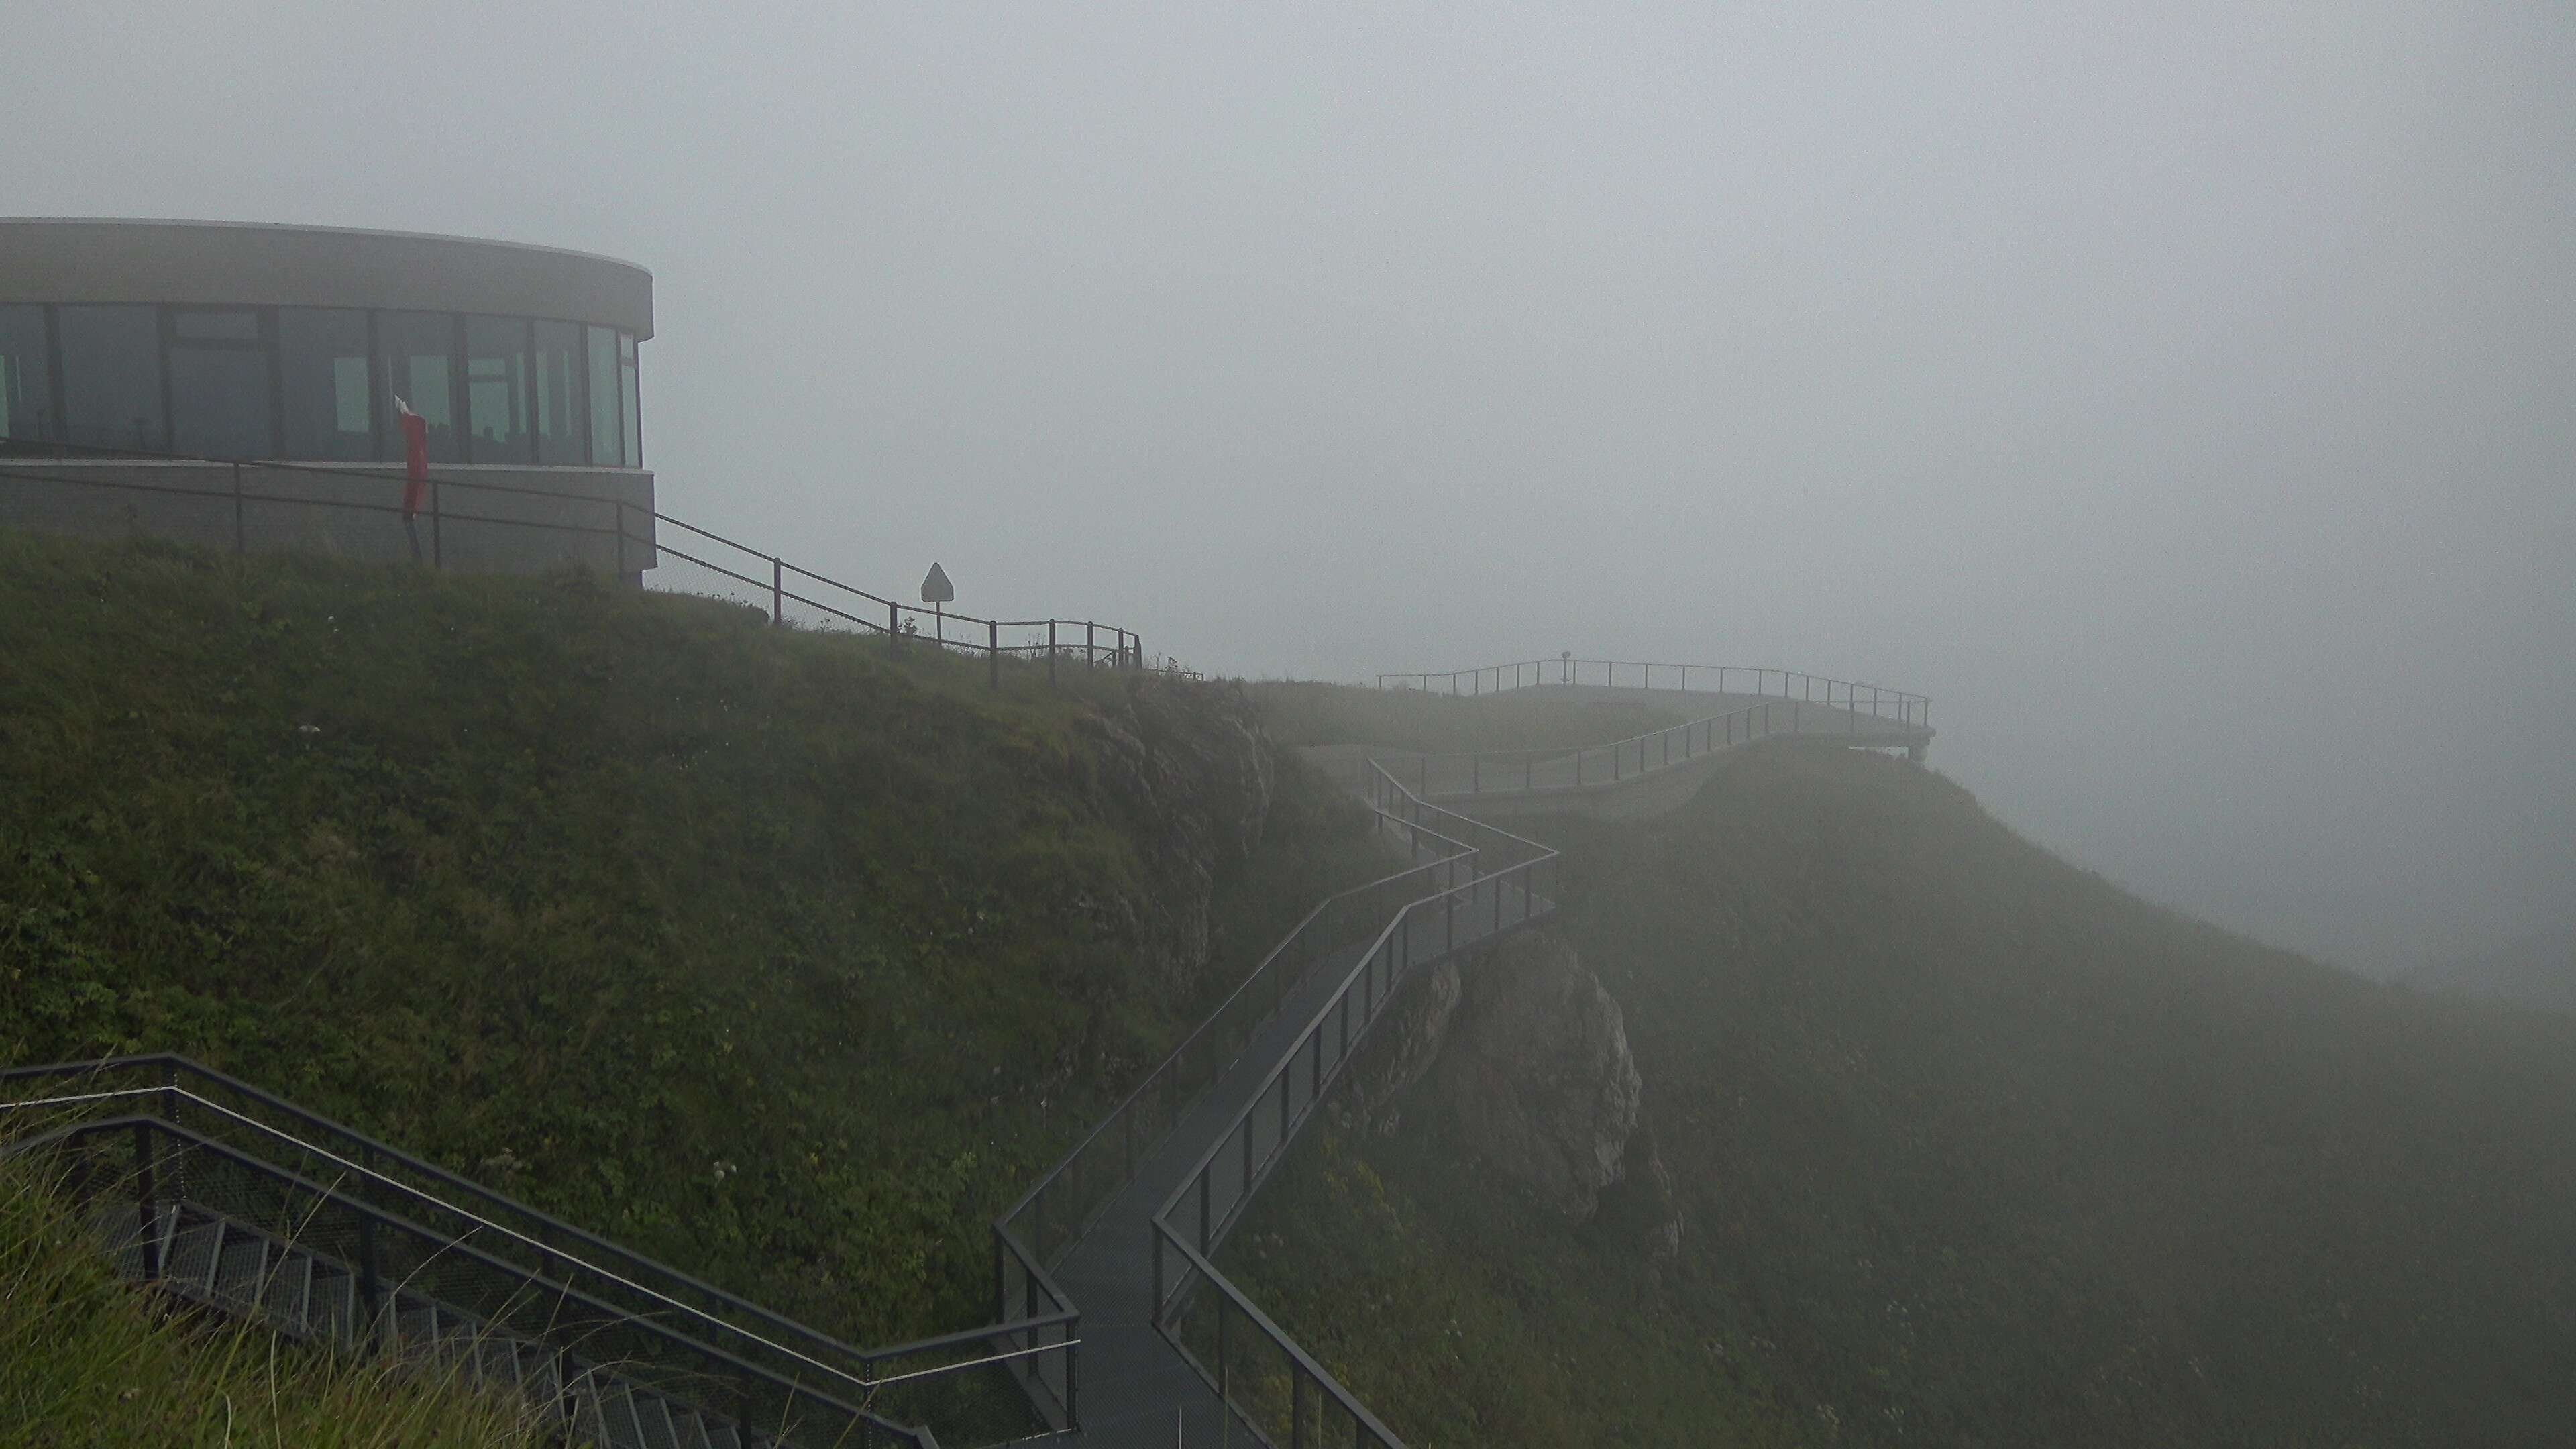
<point>935,588</point>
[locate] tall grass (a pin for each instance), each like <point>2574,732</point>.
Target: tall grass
<point>91,1361</point>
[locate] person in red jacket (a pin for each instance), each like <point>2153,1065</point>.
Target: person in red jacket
<point>415,430</point>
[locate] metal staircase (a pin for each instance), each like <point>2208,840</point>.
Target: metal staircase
<point>325,1236</point>
<point>227,1265</point>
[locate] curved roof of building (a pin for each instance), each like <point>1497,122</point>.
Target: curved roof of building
<point>99,259</point>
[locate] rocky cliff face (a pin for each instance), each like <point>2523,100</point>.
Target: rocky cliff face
<point>1524,1054</point>
<point>1191,768</point>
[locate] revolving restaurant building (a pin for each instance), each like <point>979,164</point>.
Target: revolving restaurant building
<point>235,385</point>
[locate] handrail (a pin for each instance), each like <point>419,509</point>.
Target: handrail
<point>1160,1081</point>
<point>168,1093</point>
<point>174,1063</point>
<point>1653,750</point>
<point>1324,1055</point>
<point>1099,644</point>
<point>451,1248</point>
<point>1565,669</point>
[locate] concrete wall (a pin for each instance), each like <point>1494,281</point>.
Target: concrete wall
<point>83,260</point>
<point>570,518</point>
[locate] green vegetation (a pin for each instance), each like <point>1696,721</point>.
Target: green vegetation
<point>1465,1317</point>
<point>783,957</point>
<point>88,1362</point>
<point>1973,1149</point>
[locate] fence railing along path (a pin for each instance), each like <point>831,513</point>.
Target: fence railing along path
<point>1130,1222</point>
<point>1875,701</point>
<point>1864,715</point>
<point>1134,1215</point>
<point>235,502</point>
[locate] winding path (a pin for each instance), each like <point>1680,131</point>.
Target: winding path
<point>1130,1268</point>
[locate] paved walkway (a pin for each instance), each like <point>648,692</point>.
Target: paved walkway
<point>1134,1384</point>
<point>1134,1388</point>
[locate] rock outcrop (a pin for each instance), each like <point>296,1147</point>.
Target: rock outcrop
<point>1538,1074</point>
<point>1522,1056</point>
<point>1193,773</point>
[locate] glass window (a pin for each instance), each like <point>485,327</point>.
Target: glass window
<point>417,357</point>
<point>322,357</point>
<point>26,375</point>
<point>634,412</point>
<point>112,376</point>
<point>220,399</point>
<point>606,438</point>
<point>496,389</point>
<point>563,417</point>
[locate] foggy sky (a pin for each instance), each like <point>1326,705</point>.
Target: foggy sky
<point>2182,400</point>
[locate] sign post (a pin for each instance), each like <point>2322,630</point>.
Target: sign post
<point>935,591</point>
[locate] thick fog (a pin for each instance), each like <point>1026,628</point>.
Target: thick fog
<point>2185,400</point>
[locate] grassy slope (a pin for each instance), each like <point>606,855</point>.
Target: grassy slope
<point>1976,1149</point>
<point>86,1362</point>
<point>756,950</point>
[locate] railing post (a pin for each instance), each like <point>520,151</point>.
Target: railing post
<point>241,542</point>
<point>777,591</point>
<point>993,650</point>
<point>1050,651</point>
<point>370,1281</point>
<point>147,1202</point>
<point>1073,1362</point>
<point>894,626</point>
<point>1090,644</point>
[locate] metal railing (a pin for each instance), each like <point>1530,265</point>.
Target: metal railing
<point>1538,772</point>
<point>821,602</point>
<point>1065,1203</point>
<point>524,1246</point>
<point>621,535</point>
<point>1875,700</point>
<point>381,1235</point>
<point>1258,1370</point>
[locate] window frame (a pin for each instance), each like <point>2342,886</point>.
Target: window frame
<point>263,340</point>
<point>161,383</point>
<point>625,353</point>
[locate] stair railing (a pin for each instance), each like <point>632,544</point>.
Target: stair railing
<point>183,1093</point>
<point>390,1238</point>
